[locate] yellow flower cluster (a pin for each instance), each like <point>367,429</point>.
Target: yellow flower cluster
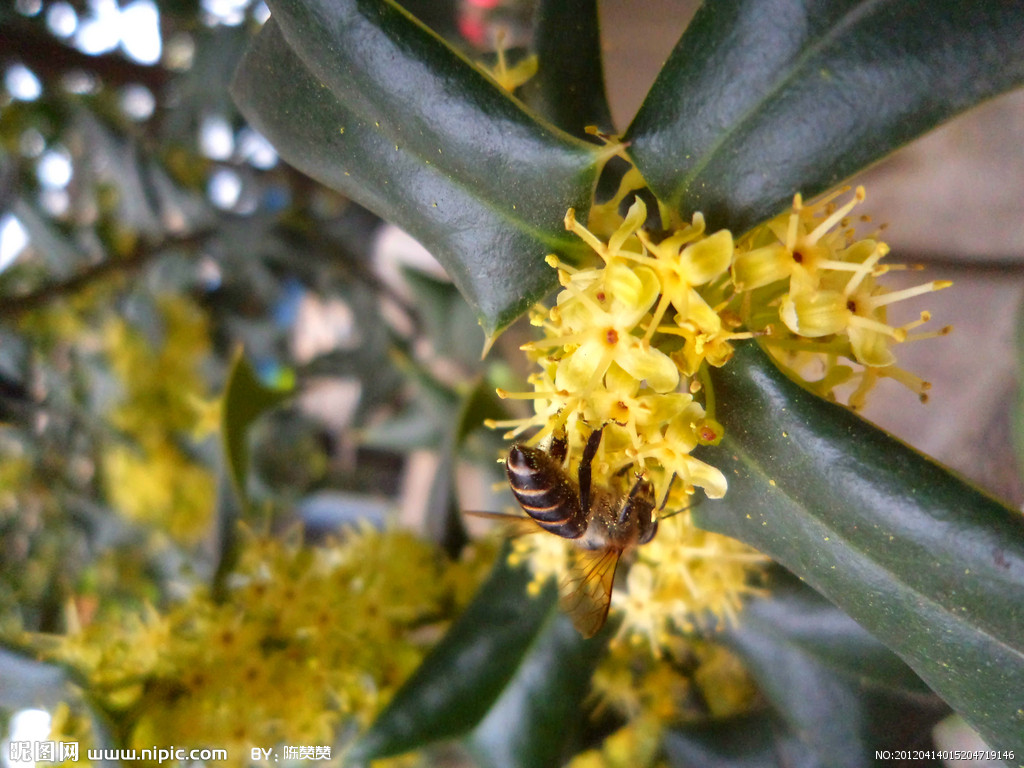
<point>693,680</point>
<point>600,367</point>
<point>626,347</point>
<point>149,477</point>
<point>607,359</point>
<point>701,678</point>
<point>638,744</point>
<point>307,640</point>
<point>806,268</point>
<point>68,724</point>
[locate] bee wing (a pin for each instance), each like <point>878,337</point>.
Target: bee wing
<point>587,593</point>
<point>515,525</point>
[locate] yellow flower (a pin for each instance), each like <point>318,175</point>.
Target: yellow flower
<point>67,725</point>
<point>807,269</point>
<point>151,476</point>
<point>684,261</point>
<point>684,572</point>
<point>606,336</point>
<point>598,370</point>
<point>858,309</point>
<point>547,556</point>
<point>160,485</point>
<point>273,661</point>
<point>681,683</point>
<point>598,311</point>
<point>797,245</point>
<point>635,745</point>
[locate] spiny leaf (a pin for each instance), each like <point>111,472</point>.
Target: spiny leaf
<point>764,98</point>
<point>364,98</point>
<point>930,565</point>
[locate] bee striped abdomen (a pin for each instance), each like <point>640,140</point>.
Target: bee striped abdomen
<point>544,492</point>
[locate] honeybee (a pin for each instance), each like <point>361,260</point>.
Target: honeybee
<point>601,522</point>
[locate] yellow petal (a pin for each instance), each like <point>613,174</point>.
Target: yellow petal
<point>815,313</point>
<point>635,218</point>
<point>575,371</point>
<point>871,347</point>
<point>680,431</point>
<point>662,409</point>
<point>859,252</point>
<point>644,362</point>
<point>633,290</point>
<point>623,285</point>
<point>620,382</point>
<point>670,246</point>
<point>761,266</point>
<point>701,315</point>
<point>705,476</point>
<point>708,258</point>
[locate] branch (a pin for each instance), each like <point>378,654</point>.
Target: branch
<point>12,308</point>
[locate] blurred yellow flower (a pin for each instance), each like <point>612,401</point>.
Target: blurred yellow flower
<point>151,476</point>
<point>635,745</point>
<point>304,641</point>
<point>688,682</point>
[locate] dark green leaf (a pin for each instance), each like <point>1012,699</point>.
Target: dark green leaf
<point>426,421</point>
<point>533,722</point>
<point>245,399</point>
<point>835,692</point>
<point>467,672</point>
<point>443,521</point>
<point>764,98</point>
<point>442,16</point>
<point>362,97</point>
<point>217,52</point>
<point>568,88</point>
<point>798,617</point>
<point>742,742</point>
<point>480,405</point>
<point>930,565</point>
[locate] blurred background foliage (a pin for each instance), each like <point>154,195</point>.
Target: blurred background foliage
<point>146,234</point>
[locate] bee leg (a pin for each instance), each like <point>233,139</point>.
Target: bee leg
<point>559,447</point>
<point>668,490</point>
<point>664,502</point>
<point>647,527</point>
<point>585,469</point>
<point>640,502</point>
<point>640,498</point>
